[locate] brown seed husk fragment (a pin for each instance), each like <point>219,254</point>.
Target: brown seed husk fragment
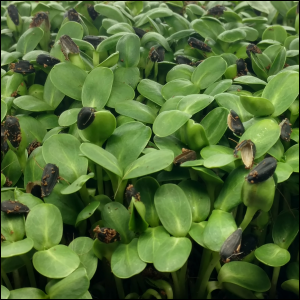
<point>235,124</point>
<point>13,131</point>
<point>13,207</point>
<point>186,155</point>
<point>231,246</point>
<point>106,235</point>
<point>39,18</point>
<point>286,130</point>
<point>248,152</point>
<point>68,46</point>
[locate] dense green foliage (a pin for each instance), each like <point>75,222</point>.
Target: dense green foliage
<point>120,149</point>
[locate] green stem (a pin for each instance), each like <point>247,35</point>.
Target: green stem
<point>16,277</point>
<point>133,296</point>
<point>218,267</point>
<point>134,287</point>
<point>275,207</point>
<point>120,289</point>
<point>99,179</point>
<point>30,271</point>
<point>181,275</point>
<point>248,217</point>
<point>287,199</point>
<point>76,60</point>
<point>240,213</point>
<point>211,190</point>
<point>262,236</point>
<point>193,174</point>
<point>96,58</point>
<point>141,282</point>
<point>107,188</point>
<point>6,279</point>
<point>84,194</point>
<point>119,196</point>
<point>205,259</point>
<point>22,158</point>
<point>275,276</point>
<point>201,292</point>
<point>163,285</point>
<point>151,293</point>
<point>140,98</point>
<point>176,285</point>
<point>82,228</point>
<point>212,286</point>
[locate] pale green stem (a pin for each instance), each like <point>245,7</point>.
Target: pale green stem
<point>218,267</point>
<point>82,228</point>
<point>22,160</point>
<point>96,58</point>
<point>141,282</point>
<point>177,292</point>
<point>76,60</point>
<point>120,289</point>
<point>193,174</point>
<point>211,193</point>
<point>181,274</point>
<point>151,293</point>
<point>248,217</point>
<point>262,236</point>
<point>205,259</point>
<point>240,213</point>
<point>16,277</point>
<point>99,179</point>
<point>133,296</point>
<point>30,271</point>
<point>275,207</point>
<point>201,292</point>
<point>84,194</point>
<point>275,276</point>
<point>107,188</point>
<point>6,279</point>
<point>119,196</point>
